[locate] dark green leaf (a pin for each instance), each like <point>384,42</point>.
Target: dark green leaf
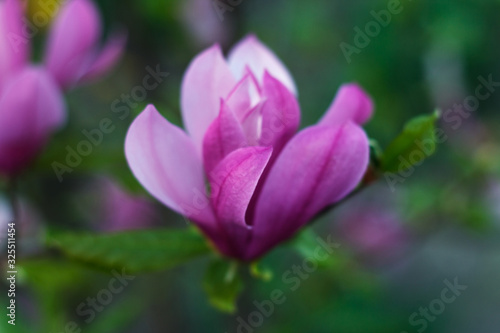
<point>416,142</point>
<point>136,251</point>
<point>223,284</point>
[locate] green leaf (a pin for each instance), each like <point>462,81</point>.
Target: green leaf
<point>259,272</point>
<point>416,142</point>
<point>306,244</point>
<point>375,153</point>
<point>136,251</point>
<point>223,284</point>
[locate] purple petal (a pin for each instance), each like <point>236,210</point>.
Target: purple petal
<point>280,114</point>
<point>259,58</point>
<point>164,160</point>
<point>233,183</point>
<point>72,41</point>
<point>223,136</point>
<point>108,57</point>
<point>14,44</point>
<point>32,108</point>
<point>318,167</point>
<point>350,103</point>
<point>206,81</point>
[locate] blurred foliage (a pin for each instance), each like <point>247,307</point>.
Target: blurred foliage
<point>429,56</point>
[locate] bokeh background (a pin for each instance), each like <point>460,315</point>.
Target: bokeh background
<point>397,247</point>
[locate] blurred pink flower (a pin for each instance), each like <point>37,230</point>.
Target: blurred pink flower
<point>372,232</point>
<point>14,52</point>
<point>202,23</point>
<point>73,53</point>
<point>493,198</point>
<point>265,180</point>
<point>31,108</point>
<point>114,209</point>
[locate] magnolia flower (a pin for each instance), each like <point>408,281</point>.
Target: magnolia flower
<point>14,52</point>
<point>31,108</point>
<point>110,207</point>
<point>31,105</point>
<point>493,197</point>
<point>241,173</point>
<point>73,53</point>
<point>375,233</point>
<point>200,22</point>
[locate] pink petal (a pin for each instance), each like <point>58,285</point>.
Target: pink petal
<point>223,136</point>
<point>252,124</point>
<point>206,81</point>
<point>318,167</point>
<point>244,96</point>
<point>31,109</point>
<point>350,103</point>
<point>72,41</point>
<point>14,44</point>
<point>280,114</point>
<point>108,57</point>
<point>233,183</point>
<point>252,53</point>
<point>234,180</point>
<point>164,160</point>
<point>115,209</point>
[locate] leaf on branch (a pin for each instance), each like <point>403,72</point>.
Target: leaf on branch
<point>413,145</point>
<point>135,251</point>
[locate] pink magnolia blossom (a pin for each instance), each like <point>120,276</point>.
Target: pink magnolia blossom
<point>73,53</point>
<point>202,25</point>
<point>31,108</point>
<point>242,173</point>
<point>375,233</point>
<point>493,198</point>
<point>31,105</point>
<point>109,207</point>
<point>14,53</point>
